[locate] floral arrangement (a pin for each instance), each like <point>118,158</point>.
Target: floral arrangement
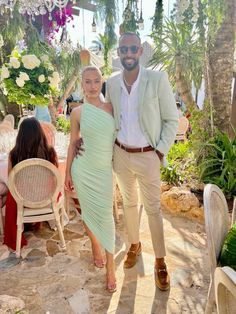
<point>26,79</point>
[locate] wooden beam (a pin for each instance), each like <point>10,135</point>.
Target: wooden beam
<point>87,5</point>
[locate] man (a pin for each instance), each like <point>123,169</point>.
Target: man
<point>146,121</point>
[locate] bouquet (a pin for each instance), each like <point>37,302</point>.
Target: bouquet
<point>27,79</point>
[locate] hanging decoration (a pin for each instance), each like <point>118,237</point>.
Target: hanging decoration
<point>130,18</point>
<point>34,7</point>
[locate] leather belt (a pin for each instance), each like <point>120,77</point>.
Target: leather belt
<point>134,150</point>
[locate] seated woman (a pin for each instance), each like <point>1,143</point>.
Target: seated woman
<point>31,142</point>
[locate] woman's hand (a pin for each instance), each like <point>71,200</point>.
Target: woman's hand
<point>68,183</point>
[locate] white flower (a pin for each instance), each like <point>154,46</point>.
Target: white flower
<point>56,75</point>
<point>20,82</point>
<point>24,76</point>
<point>45,58</point>
<point>14,62</point>
<point>183,5</point>
<point>32,96</point>
<point>4,73</point>
<point>54,80</point>
<point>46,96</point>
<point>30,62</point>
<point>41,78</point>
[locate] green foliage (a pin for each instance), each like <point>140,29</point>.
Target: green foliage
<point>63,125</point>
<point>12,30</point>
<point>200,132</point>
<point>170,174</point>
<point>228,252</point>
<point>181,166</point>
<point>219,163</point>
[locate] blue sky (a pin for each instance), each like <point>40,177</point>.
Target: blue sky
<point>82,32</point>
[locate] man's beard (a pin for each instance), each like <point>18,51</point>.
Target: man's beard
<point>129,67</point>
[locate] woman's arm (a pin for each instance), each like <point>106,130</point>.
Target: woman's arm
<point>74,136</point>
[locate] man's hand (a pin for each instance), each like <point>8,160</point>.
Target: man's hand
<point>160,155</point>
<point>78,147</point>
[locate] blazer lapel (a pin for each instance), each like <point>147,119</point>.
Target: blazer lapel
<point>141,89</point>
<point>116,91</point>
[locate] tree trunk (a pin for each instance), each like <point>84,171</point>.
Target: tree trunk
<point>68,89</point>
<point>53,113</point>
<point>233,111</point>
<point>181,84</point>
<point>221,58</point>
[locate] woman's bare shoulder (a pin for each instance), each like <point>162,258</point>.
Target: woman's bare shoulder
<point>76,112</point>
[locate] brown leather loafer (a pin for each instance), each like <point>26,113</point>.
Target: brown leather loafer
<point>132,256</point>
<point>162,278</point>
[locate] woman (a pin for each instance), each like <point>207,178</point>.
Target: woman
<point>31,142</point>
<point>91,173</point>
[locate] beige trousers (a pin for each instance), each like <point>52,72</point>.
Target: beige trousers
<point>143,168</point>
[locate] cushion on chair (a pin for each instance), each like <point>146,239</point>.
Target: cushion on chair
<point>228,252</point>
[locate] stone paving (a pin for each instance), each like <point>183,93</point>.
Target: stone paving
<point>46,280</point>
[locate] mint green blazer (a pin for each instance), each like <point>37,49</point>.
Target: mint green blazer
<point>158,113</point>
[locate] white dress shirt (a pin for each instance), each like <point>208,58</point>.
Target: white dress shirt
<point>130,133</point>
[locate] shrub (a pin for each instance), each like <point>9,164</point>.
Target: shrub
<point>63,125</point>
<point>219,163</point>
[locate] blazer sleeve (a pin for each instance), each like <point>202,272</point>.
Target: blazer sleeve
<point>107,96</point>
<point>169,114</point>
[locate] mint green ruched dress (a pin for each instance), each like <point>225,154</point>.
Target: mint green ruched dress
<point>92,174</point>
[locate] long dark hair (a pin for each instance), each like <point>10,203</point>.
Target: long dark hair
<point>31,142</point>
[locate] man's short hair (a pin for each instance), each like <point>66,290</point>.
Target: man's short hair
<point>129,34</point>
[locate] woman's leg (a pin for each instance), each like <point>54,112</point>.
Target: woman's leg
<point>96,249</point>
<point>111,278</point>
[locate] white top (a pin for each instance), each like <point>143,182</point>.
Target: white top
<point>130,133</point>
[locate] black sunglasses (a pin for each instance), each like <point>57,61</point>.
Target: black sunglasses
<point>124,49</point>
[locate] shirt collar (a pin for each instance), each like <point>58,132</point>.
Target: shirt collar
<point>135,84</point>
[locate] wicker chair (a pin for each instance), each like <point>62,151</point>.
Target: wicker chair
<point>49,131</point>
<point>10,118</point>
<point>217,226</point>
<point>35,185</point>
<point>182,129</point>
<point>225,290</point>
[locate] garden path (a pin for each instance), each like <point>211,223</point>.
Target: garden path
<point>49,281</point>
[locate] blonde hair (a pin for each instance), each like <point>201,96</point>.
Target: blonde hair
<point>90,68</point>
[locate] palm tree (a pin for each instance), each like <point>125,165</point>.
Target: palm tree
<point>180,54</point>
<point>220,56</point>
